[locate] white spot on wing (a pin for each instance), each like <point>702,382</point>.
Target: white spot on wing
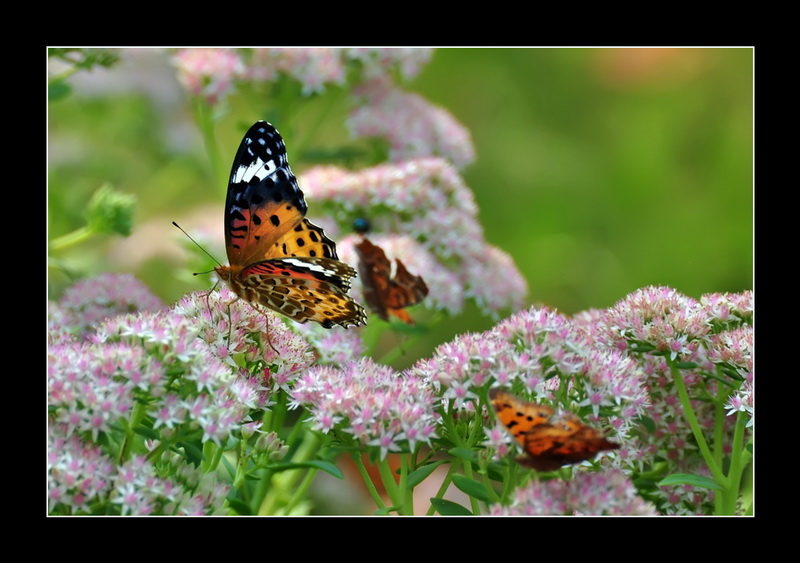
<point>308,266</point>
<point>258,169</point>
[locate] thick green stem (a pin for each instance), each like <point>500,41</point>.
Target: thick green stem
<point>373,491</point>
<point>76,236</point>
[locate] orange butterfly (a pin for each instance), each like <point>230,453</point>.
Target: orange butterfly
<point>278,258</point>
<point>385,293</point>
<point>549,440</point>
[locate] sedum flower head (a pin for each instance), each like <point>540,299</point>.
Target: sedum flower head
<point>208,73</point>
<point>370,402</point>
<point>535,353</point>
<point>84,305</point>
<point>412,125</point>
<point>233,329</point>
<point>707,339</point>
<point>376,62</point>
<point>608,493</point>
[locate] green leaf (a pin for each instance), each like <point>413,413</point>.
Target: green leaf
<point>325,466</point>
<point>689,479</point>
<point>240,507</point>
<point>648,423</point>
<point>685,365</point>
<point>463,453</point>
<point>57,90</point>
<point>419,475</point>
<point>473,488</point>
<point>193,453</point>
<point>147,432</point>
<point>386,510</point>
<point>449,508</point>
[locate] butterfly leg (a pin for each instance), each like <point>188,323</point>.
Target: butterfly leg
<point>266,329</point>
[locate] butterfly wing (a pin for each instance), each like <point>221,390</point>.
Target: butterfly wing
<point>387,294</point>
<point>549,440</point>
<point>303,289</point>
<point>518,416</point>
<point>278,258</point>
<point>264,202</point>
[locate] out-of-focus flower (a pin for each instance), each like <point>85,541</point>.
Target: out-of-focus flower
<point>609,493</point>
<point>84,305</point>
<point>208,73</point>
<point>412,125</point>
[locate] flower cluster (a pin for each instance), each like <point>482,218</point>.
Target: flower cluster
<point>609,493</point>
<point>80,477</point>
<point>208,73</point>
<point>370,402</point>
<point>426,201</point>
<point>211,73</point>
<point>412,125</point>
<point>706,340</point>
<point>536,352</point>
<point>84,305</point>
<point>192,374</point>
<point>232,328</point>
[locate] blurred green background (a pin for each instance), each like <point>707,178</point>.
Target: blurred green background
<point>599,170</point>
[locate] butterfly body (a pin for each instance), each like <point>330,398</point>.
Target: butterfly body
<point>550,440</point>
<point>387,292</point>
<point>278,258</point>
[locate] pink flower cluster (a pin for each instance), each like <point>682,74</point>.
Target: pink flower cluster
<point>426,202</point>
<point>370,402</point>
<point>212,73</point>
<point>709,338</point>
<point>412,125</point>
<point>89,301</point>
<point>534,353</point>
<point>208,73</point>
<point>231,327</point>
<point>609,493</point>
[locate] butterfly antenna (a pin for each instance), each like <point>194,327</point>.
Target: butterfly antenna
<point>198,246</point>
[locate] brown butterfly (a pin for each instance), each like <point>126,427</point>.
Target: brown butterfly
<point>550,440</point>
<point>385,293</point>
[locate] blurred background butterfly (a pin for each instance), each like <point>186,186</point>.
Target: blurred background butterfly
<point>550,440</point>
<point>387,290</point>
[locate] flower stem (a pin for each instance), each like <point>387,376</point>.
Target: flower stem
<point>76,236</point>
<point>373,491</point>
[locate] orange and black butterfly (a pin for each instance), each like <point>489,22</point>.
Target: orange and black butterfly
<point>550,440</point>
<point>386,292</point>
<point>278,258</point>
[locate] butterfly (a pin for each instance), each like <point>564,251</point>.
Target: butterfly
<point>550,440</point>
<point>278,258</point>
<point>388,294</point>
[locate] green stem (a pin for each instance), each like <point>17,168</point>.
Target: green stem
<point>286,480</point>
<point>137,414</point>
<point>373,491</point>
<point>445,484</point>
<point>716,472</point>
<point>76,236</point>
<point>387,478</point>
